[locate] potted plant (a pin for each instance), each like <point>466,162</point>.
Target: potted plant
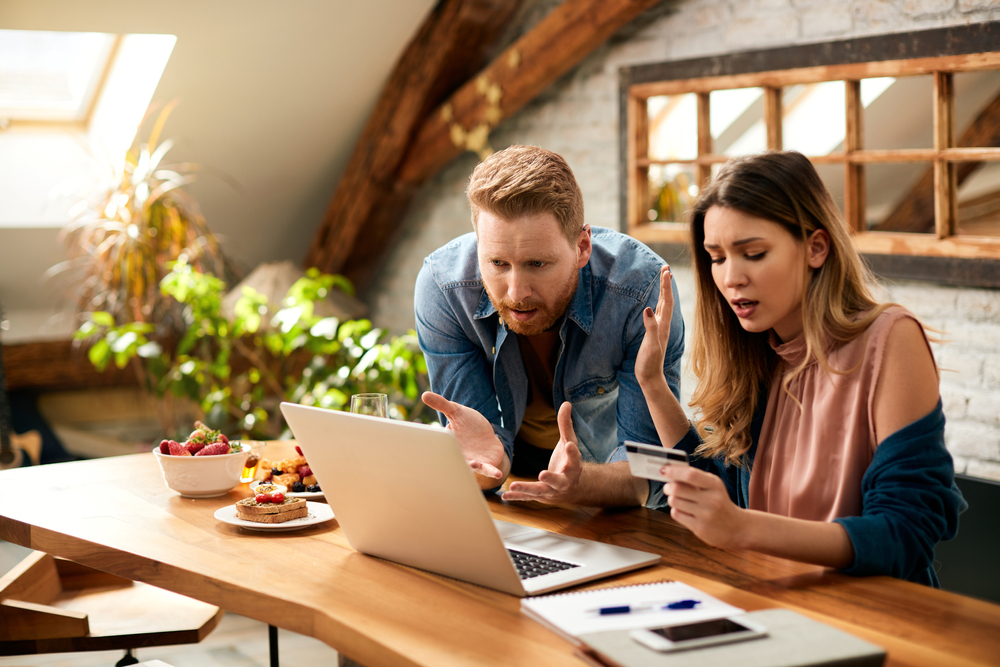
<point>125,231</point>
<point>238,369</point>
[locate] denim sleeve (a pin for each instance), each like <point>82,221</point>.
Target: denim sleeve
<point>457,365</point>
<point>909,503</point>
<point>634,421</point>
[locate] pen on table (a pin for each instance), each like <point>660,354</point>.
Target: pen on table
<point>631,609</point>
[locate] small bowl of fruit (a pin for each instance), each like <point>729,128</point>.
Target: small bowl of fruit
<point>205,465</point>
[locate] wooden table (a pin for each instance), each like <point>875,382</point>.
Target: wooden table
<point>116,515</point>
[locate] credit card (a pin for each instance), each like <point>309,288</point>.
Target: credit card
<point>646,460</point>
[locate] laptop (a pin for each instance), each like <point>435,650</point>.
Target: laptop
<point>403,491</point>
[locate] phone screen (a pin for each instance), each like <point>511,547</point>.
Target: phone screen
<point>679,633</point>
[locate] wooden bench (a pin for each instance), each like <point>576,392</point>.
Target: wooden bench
<point>52,605</point>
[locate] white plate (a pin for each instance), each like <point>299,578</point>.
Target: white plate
<point>317,513</point>
<point>291,494</point>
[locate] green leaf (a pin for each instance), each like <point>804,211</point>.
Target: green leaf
<point>124,342</point>
<point>370,338</point>
<point>325,328</point>
<point>99,354</point>
<point>85,331</point>
<point>149,350</point>
<point>102,318</point>
<point>367,360</point>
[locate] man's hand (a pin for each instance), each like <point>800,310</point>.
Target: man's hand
<point>558,484</point>
<point>649,361</point>
<point>480,445</point>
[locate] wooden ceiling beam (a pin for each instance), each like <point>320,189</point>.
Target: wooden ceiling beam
<point>915,212</point>
<point>455,40</point>
<point>462,122</point>
<point>561,40</point>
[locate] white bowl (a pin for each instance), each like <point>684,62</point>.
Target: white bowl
<point>202,476</point>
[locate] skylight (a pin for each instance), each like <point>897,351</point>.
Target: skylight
<point>51,76</point>
<point>70,106</point>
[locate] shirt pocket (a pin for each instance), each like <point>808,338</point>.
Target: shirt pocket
<point>591,389</point>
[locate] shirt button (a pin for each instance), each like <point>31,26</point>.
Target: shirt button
<point>600,390</point>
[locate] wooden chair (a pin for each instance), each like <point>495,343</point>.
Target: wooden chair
<point>52,605</point>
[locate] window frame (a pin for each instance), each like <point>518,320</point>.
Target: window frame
<point>939,257</point>
<point>89,102</point>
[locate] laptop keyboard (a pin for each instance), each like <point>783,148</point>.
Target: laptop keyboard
<point>529,565</point>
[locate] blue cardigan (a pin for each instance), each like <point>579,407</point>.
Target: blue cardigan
<point>909,498</point>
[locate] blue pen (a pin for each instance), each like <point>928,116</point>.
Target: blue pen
<point>631,609</point>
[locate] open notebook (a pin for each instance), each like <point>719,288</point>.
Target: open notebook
<point>575,614</point>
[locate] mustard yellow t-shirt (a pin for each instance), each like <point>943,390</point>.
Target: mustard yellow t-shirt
<point>539,427</point>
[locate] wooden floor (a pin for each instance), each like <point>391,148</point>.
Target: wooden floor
<point>236,642</point>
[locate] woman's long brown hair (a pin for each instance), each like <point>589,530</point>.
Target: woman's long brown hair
<point>733,365</point>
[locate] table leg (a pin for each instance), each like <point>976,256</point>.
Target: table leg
<point>272,644</point>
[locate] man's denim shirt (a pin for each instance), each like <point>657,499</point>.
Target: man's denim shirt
<point>474,360</point>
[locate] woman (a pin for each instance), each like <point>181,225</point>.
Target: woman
<point>819,435</point>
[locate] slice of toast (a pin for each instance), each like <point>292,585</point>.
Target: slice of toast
<point>249,509</point>
<point>278,518</point>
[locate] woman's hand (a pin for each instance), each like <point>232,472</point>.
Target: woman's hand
<point>699,502</point>
<point>649,361</point>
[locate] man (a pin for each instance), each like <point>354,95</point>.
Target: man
<point>531,326</point>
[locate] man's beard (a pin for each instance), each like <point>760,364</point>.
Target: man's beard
<point>544,319</point>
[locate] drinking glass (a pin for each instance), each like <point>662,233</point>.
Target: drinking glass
<point>376,405</point>
<point>253,460</point>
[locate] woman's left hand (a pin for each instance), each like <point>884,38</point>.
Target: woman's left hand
<point>699,502</point>
<point>653,350</point>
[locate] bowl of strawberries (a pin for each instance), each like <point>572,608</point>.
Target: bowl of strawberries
<point>205,465</point>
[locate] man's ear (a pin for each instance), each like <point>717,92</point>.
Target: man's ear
<point>583,247</point>
<point>818,248</point>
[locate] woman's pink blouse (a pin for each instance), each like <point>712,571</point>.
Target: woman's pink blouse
<point>810,461</point>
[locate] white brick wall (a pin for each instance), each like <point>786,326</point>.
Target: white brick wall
<point>578,117</point>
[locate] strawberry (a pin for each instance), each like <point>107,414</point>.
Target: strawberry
<point>223,438</point>
<point>194,447</point>
<point>165,447</point>
<point>305,471</point>
<point>299,450</point>
<point>177,449</point>
<point>214,449</point>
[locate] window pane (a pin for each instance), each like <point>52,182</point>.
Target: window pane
<point>978,198</point>
<point>832,176</point>
<point>899,197</point>
<point>813,117</point>
<point>673,127</point>
<point>672,191</point>
<point>901,115</point>
<point>977,109</point>
<point>50,75</point>
<point>737,121</point>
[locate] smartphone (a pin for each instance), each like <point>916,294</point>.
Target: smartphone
<point>696,635</point>
<point>646,460</point>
